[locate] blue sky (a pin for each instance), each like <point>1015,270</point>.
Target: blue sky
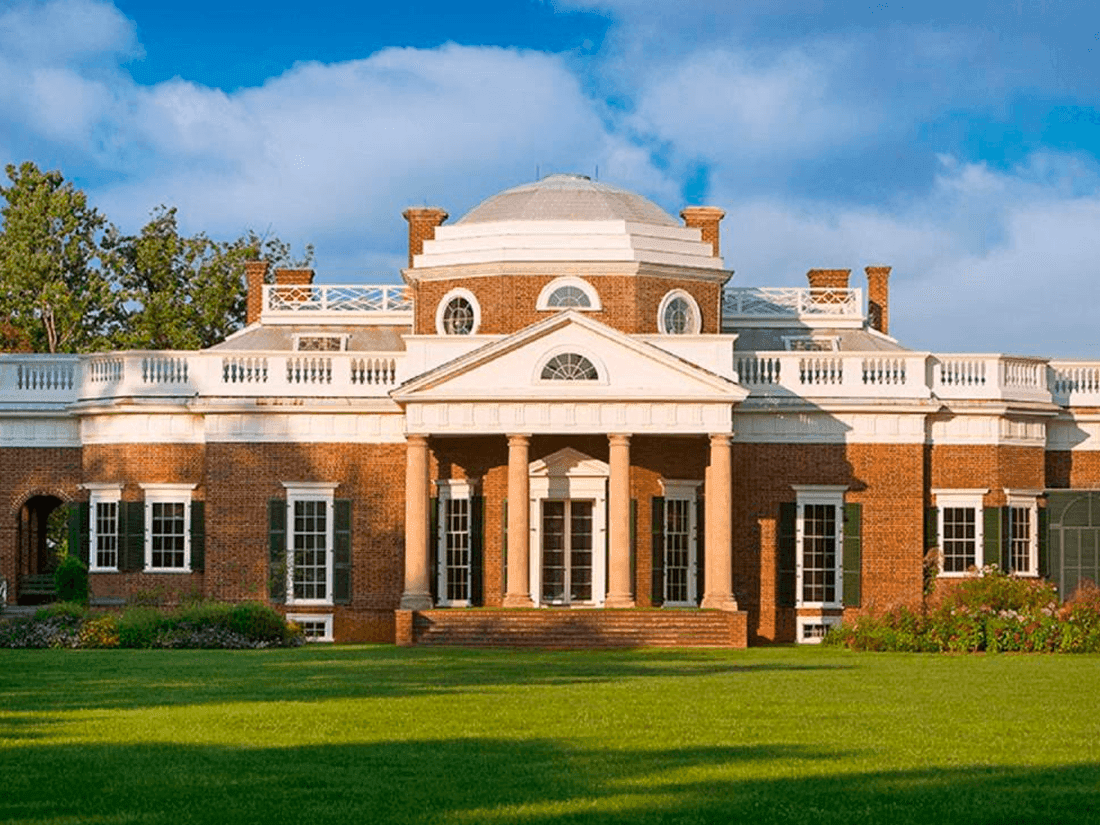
<point>956,141</point>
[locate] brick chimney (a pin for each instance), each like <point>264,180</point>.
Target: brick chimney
<point>422,223</point>
<point>705,218</point>
<point>878,297</point>
<point>255,273</point>
<point>294,277</point>
<point>824,281</point>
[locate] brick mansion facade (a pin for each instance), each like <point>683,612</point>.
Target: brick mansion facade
<point>564,428</point>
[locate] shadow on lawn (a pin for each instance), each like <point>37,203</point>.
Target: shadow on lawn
<point>490,780</point>
<point>114,679</point>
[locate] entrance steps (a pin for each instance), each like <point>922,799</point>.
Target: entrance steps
<point>572,629</point>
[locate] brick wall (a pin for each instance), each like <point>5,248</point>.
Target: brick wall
<point>629,303</point>
<point>974,466</point>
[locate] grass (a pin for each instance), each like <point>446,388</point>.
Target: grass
<point>381,734</point>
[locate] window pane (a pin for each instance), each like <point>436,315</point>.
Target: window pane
<point>819,559</point>
<point>959,539</point>
<point>310,550</point>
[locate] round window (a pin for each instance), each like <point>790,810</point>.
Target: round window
<point>458,317</point>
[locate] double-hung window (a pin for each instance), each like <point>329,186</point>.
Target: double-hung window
<point>819,572</point>
<point>961,531</point>
<point>168,527</point>
<point>104,527</point>
<point>679,542</point>
<point>310,544</point>
<point>455,543</point>
<point>1022,535</point>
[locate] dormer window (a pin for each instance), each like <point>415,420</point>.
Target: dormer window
<point>678,314</point>
<point>568,292</point>
<point>569,366</point>
<point>320,343</point>
<point>458,313</point>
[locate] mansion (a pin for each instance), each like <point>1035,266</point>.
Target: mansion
<point>565,428</point>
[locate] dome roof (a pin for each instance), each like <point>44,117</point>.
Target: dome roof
<point>567,198</point>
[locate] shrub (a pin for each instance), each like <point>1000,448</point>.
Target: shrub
<point>73,611</point>
<point>100,631</point>
<point>259,622</point>
<point>71,580</point>
<point>139,626</point>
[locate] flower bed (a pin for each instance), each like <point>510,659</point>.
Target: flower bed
<point>994,612</point>
<point>197,625</point>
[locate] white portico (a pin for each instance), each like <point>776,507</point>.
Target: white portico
<point>569,375</point>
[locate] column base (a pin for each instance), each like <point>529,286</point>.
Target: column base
<point>618,600</point>
<point>719,602</point>
<point>517,600</point>
<point>416,601</point>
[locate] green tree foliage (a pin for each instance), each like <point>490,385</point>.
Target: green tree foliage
<point>54,291</point>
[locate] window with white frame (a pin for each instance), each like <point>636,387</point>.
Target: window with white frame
<point>678,314</point>
<point>454,543</point>
<point>813,629</point>
<point>316,627</point>
<point>820,545</point>
<point>103,526</point>
<point>1023,534</point>
<point>458,313</point>
<point>960,527</point>
<point>680,542</point>
<point>569,366</point>
<point>309,546</point>
<point>568,292</point>
<point>167,527</point>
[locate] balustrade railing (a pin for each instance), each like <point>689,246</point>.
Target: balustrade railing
<point>772,303</point>
<point>1075,383</point>
<point>851,375</point>
<point>318,299</point>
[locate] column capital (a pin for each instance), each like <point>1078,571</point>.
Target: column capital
<point>619,439</point>
<point>721,439</point>
<point>519,439</point>
<point>419,439</point>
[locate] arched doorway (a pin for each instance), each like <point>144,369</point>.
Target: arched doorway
<point>42,530</point>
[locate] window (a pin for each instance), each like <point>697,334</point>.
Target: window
<point>678,314</point>
<point>808,343</point>
<point>819,546</point>
<point>812,629</point>
<point>317,627</point>
<point>568,293</point>
<point>455,543</point>
<point>320,343</point>
<point>458,313</point>
<point>960,526</point>
<point>309,547</point>
<point>104,523</point>
<point>168,527</point>
<point>569,366</point>
<point>1022,533</point>
<point>678,523</point>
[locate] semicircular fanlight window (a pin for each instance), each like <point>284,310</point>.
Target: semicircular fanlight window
<point>569,297</point>
<point>568,366</point>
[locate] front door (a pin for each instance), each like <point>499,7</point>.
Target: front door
<point>567,560</point>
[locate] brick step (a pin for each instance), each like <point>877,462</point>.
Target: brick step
<point>572,629</point>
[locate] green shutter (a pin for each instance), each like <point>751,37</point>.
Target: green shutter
<point>132,556</point>
<point>931,527</point>
<point>477,550</point>
<point>657,543</point>
<point>198,535</point>
<point>1044,542</point>
<point>80,531</point>
<point>341,555</point>
<point>853,553</point>
<point>633,548</point>
<point>433,547</point>
<point>700,549</point>
<point>276,550</point>
<point>787,550</point>
<point>993,519</point>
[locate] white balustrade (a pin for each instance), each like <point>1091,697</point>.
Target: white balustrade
<point>834,375</point>
<point>49,379</point>
<point>1075,383</point>
<point>772,303</point>
<point>993,377</point>
<point>335,300</point>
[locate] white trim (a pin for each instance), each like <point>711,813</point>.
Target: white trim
<point>803,621</point>
<point>441,308</point>
<point>157,493</point>
<point>832,340</point>
<point>829,495</point>
<point>448,490</point>
<point>696,322</point>
<point>102,492</point>
<point>682,490</point>
<point>1025,500</point>
<point>570,349</point>
<point>965,499</point>
<point>324,618</point>
<point>305,491</point>
<point>569,474</point>
<point>543,302</point>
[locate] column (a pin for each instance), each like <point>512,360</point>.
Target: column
<point>519,524</point>
<point>418,594</point>
<point>719,539</point>
<point>618,523</point>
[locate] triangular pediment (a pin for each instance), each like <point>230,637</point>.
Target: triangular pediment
<point>568,462</point>
<point>514,369</point>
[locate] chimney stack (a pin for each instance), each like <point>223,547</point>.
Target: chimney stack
<point>705,218</point>
<point>878,297</point>
<point>422,223</point>
<point>824,281</point>
<point>294,277</point>
<point>255,273</point>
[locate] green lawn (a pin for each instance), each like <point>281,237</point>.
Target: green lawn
<point>379,734</point>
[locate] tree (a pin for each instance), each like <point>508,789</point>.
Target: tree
<point>185,292</point>
<point>54,291</point>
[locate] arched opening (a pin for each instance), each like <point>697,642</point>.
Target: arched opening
<point>42,533</point>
